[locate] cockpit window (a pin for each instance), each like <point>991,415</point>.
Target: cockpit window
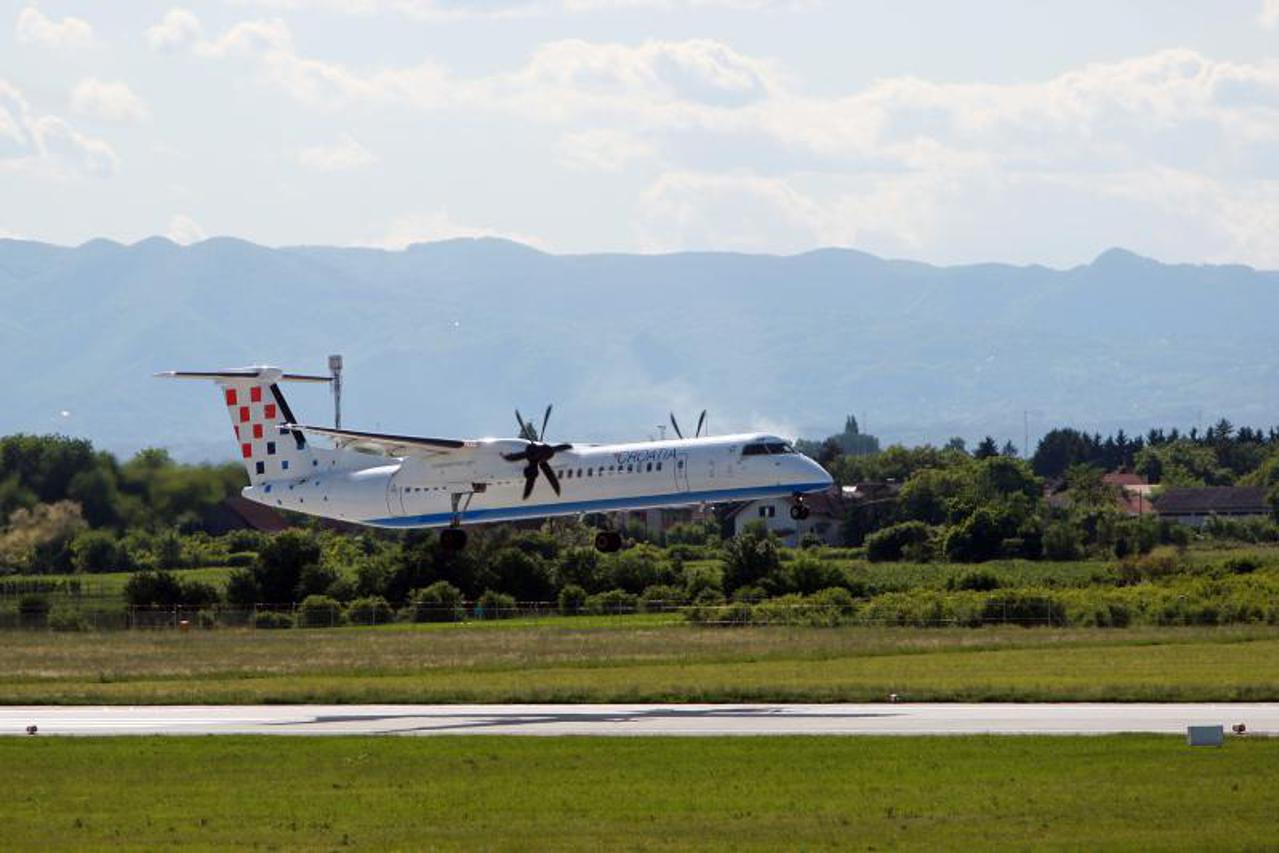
<point>764,448</point>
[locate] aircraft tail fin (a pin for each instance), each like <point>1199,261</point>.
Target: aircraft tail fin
<point>259,415</point>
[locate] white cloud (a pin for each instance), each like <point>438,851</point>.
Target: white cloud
<point>602,149</point>
<point>184,230</point>
<point>685,210</point>
<point>344,154</point>
<point>438,225</point>
<point>1268,17</point>
<point>34,28</point>
<point>108,101</point>
<point>47,145</point>
<point>177,28</point>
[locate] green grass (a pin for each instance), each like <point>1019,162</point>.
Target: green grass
<point>496,662</point>
<point>1123,792</point>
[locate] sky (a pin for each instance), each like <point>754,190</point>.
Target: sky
<point>1023,132</point>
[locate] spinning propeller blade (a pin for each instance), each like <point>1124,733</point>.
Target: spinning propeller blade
<point>537,454</point>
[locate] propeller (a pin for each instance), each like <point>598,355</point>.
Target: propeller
<point>537,454</point>
<point>701,421</point>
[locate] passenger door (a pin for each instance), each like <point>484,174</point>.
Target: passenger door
<point>680,467</point>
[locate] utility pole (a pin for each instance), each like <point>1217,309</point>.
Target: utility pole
<point>335,370</point>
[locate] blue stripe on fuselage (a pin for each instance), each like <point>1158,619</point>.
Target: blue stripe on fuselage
<point>514,513</point>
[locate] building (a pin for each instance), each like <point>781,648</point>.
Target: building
<point>1132,491</point>
<point>1194,506</point>
<point>826,515</point>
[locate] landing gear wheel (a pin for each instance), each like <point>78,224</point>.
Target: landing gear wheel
<point>452,539</point>
<point>799,512</point>
<point>608,541</point>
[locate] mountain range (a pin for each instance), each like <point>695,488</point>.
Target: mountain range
<point>447,338</point>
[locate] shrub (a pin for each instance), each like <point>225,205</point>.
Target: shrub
<point>370,610</point>
<point>807,574</point>
<point>978,537</point>
<point>281,563</point>
<point>439,602</point>
<point>580,567</point>
<point>700,579</point>
<point>241,559</point>
<point>153,589</point>
<point>889,544</point>
<point>836,599</point>
<point>750,556</point>
<point>1242,565</point>
<point>245,541</point>
<point>67,619</point>
<point>319,611</point>
<point>638,568</point>
<point>614,601</point>
<point>660,598</point>
<point>749,594</point>
<point>271,619</point>
<point>33,611</point>
<point>1062,541</point>
<point>495,605</point>
<point>242,588</point>
<point>737,613</point>
<point>572,600</point>
<point>525,575</point>
<point>199,594</point>
<point>976,580</point>
<point>98,551</point>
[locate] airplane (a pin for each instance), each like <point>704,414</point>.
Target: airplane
<point>401,481</point>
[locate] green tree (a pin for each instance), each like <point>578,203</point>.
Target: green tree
<point>750,556</point>
<point>281,562</point>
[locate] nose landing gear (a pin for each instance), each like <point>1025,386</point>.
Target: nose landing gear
<point>798,509</point>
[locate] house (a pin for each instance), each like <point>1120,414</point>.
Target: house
<point>1132,491</point>
<point>1193,506</point>
<point>826,514</point>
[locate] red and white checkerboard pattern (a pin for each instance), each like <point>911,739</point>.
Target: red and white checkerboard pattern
<point>256,419</point>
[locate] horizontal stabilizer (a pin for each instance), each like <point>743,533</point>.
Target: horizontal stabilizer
<point>262,374</point>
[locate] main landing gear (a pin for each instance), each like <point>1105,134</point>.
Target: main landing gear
<point>798,509</point>
<point>453,537</point>
<point>608,541</point>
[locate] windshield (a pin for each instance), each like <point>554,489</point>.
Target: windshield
<point>766,448</point>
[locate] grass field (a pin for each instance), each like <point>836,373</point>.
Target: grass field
<point>640,659</point>
<point>1125,792</point>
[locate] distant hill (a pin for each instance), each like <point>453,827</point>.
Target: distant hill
<point>446,338</point>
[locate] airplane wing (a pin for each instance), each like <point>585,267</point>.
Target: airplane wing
<point>393,445</point>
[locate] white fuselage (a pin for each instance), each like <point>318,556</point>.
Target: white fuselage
<point>421,492</point>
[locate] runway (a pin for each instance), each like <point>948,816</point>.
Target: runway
<point>626,720</point>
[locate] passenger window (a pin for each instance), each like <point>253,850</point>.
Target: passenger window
<point>650,467</point>
<point>590,472</point>
<point>659,466</point>
<point>630,468</point>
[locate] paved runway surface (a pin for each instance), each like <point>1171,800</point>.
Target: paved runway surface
<point>880,719</point>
